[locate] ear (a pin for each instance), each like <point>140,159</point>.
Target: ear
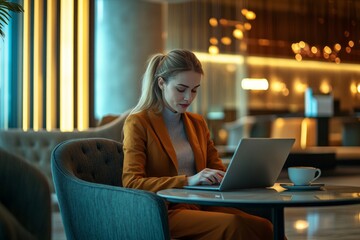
<point>161,83</point>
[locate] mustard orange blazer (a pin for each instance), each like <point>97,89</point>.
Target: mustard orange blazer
<point>149,158</point>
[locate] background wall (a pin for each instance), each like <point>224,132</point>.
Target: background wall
<point>126,34</point>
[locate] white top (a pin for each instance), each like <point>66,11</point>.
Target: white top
<point>182,147</point>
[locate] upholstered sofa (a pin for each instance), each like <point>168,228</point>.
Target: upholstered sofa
<point>36,146</point>
<point>25,210</point>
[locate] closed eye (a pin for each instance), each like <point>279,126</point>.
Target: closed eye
<point>194,90</point>
<point>180,90</point>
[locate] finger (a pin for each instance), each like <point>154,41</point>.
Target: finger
<point>218,172</point>
<point>219,178</point>
<point>213,179</point>
<point>216,177</point>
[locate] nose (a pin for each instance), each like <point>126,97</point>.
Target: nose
<point>187,95</point>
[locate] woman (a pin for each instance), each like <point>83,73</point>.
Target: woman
<point>167,147</point>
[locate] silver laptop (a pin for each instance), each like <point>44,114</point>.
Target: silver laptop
<point>257,162</point>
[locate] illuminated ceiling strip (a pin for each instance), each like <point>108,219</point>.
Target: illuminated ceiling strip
<point>83,65</point>
<point>220,58</point>
<point>26,67</point>
<point>38,65</point>
<point>275,62</point>
<point>291,63</point>
<point>51,65</point>
<point>67,65</point>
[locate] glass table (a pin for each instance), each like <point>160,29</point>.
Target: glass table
<point>275,198</point>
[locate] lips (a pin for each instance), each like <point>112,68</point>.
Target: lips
<point>185,105</point>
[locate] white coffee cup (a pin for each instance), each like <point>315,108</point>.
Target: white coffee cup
<point>303,175</point>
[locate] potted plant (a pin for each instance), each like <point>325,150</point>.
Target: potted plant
<point>5,7</point>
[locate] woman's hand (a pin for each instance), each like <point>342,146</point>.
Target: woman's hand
<point>206,177</point>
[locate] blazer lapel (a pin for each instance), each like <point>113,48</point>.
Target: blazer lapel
<point>158,124</point>
<point>200,161</point>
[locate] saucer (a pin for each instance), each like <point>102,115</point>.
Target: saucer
<point>291,186</point>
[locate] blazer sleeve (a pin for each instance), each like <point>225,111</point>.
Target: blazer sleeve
<point>146,166</point>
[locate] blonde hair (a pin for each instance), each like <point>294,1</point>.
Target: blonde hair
<point>164,66</point>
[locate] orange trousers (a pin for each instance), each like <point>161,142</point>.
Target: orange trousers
<point>216,223</point>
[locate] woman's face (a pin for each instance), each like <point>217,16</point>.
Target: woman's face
<point>180,90</point>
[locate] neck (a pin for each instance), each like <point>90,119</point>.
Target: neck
<point>169,108</point>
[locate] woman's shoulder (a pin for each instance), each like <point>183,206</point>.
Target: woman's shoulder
<point>144,116</point>
<point>141,114</point>
<point>136,117</point>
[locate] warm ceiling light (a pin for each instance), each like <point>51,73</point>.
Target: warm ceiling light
<point>298,57</point>
<point>213,50</point>
<point>247,26</point>
<point>213,41</point>
<point>244,11</point>
<point>302,44</point>
<point>213,22</point>
<point>255,84</point>
<point>337,60</point>
<point>238,34</point>
<point>250,15</point>
<point>337,47</point>
<point>226,40</point>
<point>314,49</point>
<point>348,49</point>
<point>351,43</point>
<point>327,50</point>
<point>295,47</point>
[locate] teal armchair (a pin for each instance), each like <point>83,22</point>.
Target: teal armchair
<point>93,204</point>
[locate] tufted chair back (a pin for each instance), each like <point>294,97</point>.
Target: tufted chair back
<point>93,204</point>
<point>92,160</point>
